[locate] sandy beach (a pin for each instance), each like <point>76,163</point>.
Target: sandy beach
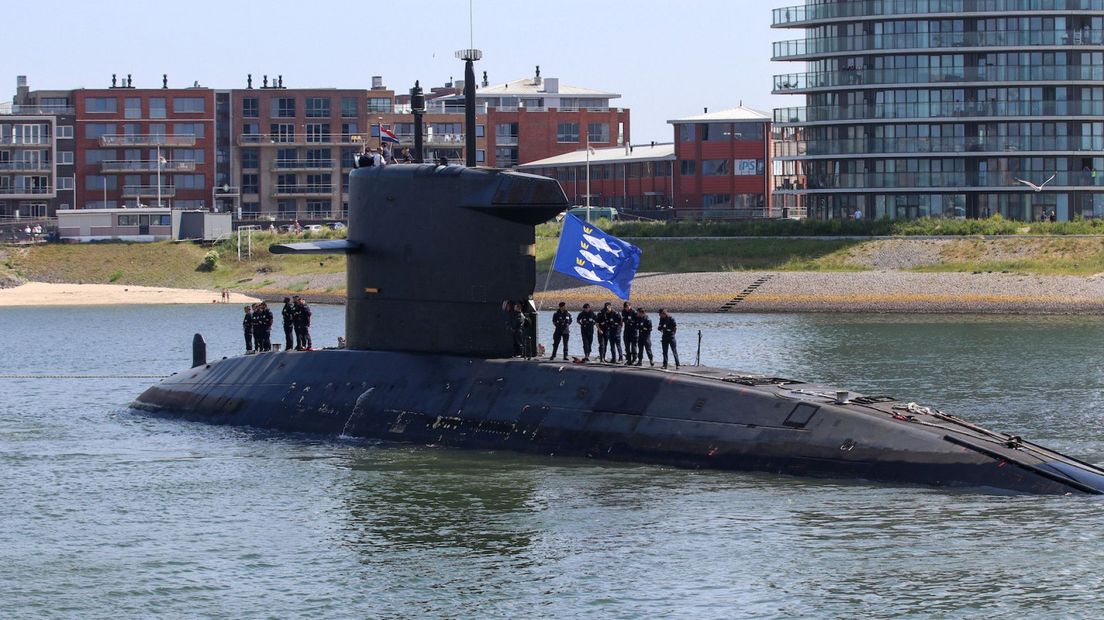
<point>44,294</point>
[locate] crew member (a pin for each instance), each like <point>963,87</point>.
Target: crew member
<point>561,320</point>
<point>517,322</point>
<point>667,329</point>
<point>258,328</point>
<point>302,321</point>
<point>247,327</point>
<point>628,320</point>
<point>643,337</point>
<point>613,332</point>
<point>602,321</point>
<point>266,327</point>
<point>586,320</point>
<point>287,313</point>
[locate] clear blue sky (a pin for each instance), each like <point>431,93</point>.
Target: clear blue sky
<point>667,59</point>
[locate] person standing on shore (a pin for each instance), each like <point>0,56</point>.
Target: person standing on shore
<point>286,314</point>
<point>586,320</point>
<point>667,329</point>
<point>643,338</point>
<point>561,320</point>
<point>628,320</point>
<point>247,327</point>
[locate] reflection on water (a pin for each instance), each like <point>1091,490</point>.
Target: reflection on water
<point>108,510</point>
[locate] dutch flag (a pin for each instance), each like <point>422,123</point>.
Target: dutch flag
<point>386,135</point>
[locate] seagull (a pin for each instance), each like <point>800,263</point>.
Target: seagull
<point>1040,186</point>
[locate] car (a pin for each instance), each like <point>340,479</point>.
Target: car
<point>312,227</point>
<point>336,226</point>
<point>596,213</point>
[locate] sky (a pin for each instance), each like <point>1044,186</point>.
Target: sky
<point>666,59</point>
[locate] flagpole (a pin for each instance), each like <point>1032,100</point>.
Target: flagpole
<point>551,267</point>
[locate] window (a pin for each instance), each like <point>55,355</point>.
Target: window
<point>285,209</point>
<point>166,220</point>
<point>249,184</point>
<point>717,201</point>
<point>714,132</point>
<point>132,129</point>
<point>318,107</point>
<point>65,131</point>
<point>317,208</point>
<point>188,105</point>
<point>128,220</point>
<point>157,107</point>
<point>749,167</point>
<point>189,181</point>
<point>748,201</point>
<point>319,182</point>
<point>282,132</point>
<point>479,131</point>
<point>283,107</point>
<point>97,181</point>
<point>251,129</point>
<point>379,104</point>
<point>598,132</point>
<point>249,158</point>
<point>318,158</point>
<point>95,130</point>
<point>347,158</point>
<point>318,132</point>
<point>157,129</point>
<point>196,155</point>
<point>714,167</point>
<point>64,157</point>
<point>188,129</point>
<point>251,107</point>
<point>567,132</point>
<point>349,107</point>
<point>101,105</point>
<point>480,156</point>
<point>132,107</point>
<point>65,183</point>
<point>95,156</point>
<point>749,131</point>
<point>686,132</point>
<point>348,130</point>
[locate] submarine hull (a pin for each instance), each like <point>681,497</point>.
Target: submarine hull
<point>701,417</point>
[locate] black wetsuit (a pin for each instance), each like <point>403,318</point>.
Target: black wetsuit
<point>644,339</point>
<point>562,321</point>
<point>586,320</point>
<point>668,327</point>
<point>628,320</point>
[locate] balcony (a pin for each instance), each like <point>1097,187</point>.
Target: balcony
<point>43,110</point>
<point>20,166</point>
<point>798,16</point>
<point>800,48</point>
<point>938,110</point>
<point>861,76</point>
<point>506,140</point>
<point>302,164</point>
<point>116,165</point>
<point>147,191</point>
<point>147,140</point>
<point>29,191</point>
<point>26,141</point>
<point>324,139</point>
<point>303,190</point>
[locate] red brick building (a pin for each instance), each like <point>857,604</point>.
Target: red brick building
<point>135,143</point>
<point>718,167</point>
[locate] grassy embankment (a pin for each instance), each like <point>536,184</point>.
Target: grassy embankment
<point>1042,248</point>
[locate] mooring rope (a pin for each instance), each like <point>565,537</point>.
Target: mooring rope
<point>83,376</point>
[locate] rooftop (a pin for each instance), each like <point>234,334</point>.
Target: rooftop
<point>738,113</point>
<point>612,155</point>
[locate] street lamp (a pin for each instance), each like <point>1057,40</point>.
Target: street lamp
<point>160,161</point>
<point>588,152</point>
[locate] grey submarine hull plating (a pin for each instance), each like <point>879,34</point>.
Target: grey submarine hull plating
<point>699,417</point>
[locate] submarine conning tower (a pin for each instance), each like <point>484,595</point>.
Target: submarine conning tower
<point>433,251</point>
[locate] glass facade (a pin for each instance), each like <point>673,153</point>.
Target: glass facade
<point>939,108</point>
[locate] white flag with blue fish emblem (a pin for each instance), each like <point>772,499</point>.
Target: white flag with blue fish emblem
<point>591,255</point>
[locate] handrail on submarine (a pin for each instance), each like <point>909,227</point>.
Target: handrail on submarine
<point>325,246</point>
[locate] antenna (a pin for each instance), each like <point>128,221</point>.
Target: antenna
<point>471,25</point>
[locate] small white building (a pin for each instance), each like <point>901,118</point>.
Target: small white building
<point>141,224</point>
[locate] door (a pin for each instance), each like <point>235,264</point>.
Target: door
<point>143,224</point>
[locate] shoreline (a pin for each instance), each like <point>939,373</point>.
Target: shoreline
<point>885,291</point>
<point>31,294</point>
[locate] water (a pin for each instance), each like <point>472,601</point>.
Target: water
<point>110,514</point>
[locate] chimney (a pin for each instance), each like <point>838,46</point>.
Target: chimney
<point>377,82</point>
<point>537,78</point>
<point>485,83</point>
<point>460,84</point>
<point>22,91</point>
<point>705,110</point>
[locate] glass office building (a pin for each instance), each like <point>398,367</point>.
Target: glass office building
<point>942,108</point>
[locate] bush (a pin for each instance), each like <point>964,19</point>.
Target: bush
<point>210,261</point>
<point>115,276</point>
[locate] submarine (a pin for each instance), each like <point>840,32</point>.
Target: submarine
<point>433,251</point>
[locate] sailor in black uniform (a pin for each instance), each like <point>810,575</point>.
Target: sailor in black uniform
<point>643,337</point>
<point>667,328</point>
<point>287,314</point>
<point>257,325</point>
<point>586,320</point>
<point>302,320</point>
<point>561,320</point>
<point>628,320</point>
<point>613,332</point>
<point>247,327</point>
<point>516,322</point>
<point>266,327</point>
<point>602,321</point>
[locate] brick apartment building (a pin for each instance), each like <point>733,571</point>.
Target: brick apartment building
<point>36,153</point>
<point>135,144</point>
<point>717,167</point>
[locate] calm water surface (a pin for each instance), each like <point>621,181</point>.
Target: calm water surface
<point>104,513</point>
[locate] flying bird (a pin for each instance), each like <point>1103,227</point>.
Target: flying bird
<point>1040,186</point>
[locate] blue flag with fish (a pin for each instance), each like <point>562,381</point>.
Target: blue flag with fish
<point>591,255</point>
